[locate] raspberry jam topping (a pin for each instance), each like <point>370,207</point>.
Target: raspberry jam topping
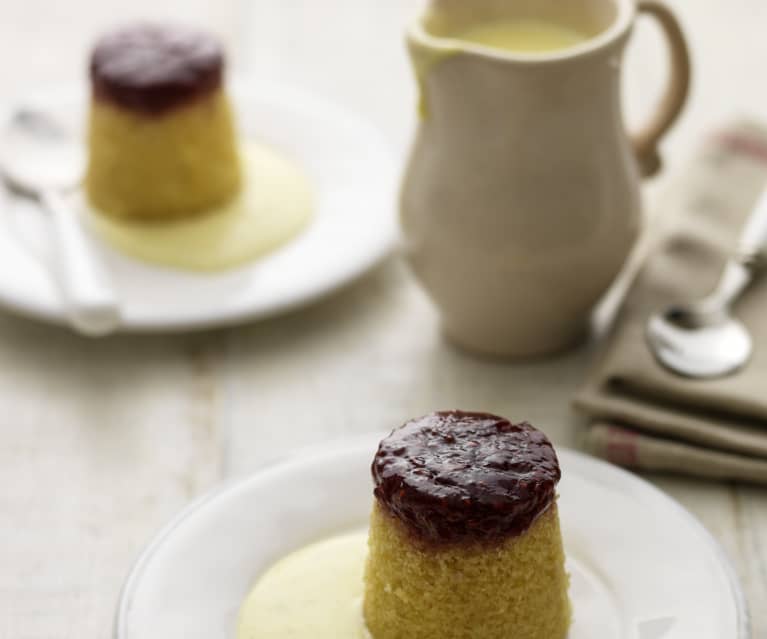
<point>458,477</point>
<point>152,68</point>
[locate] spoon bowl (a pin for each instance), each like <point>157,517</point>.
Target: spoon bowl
<point>38,154</point>
<point>699,351</point>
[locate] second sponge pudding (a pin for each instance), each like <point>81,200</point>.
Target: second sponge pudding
<point>464,538</point>
<point>162,141</point>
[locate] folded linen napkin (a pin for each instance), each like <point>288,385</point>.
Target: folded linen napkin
<point>645,417</point>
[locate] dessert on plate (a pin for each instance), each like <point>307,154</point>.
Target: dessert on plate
<point>464,537</point>
<point>161,135</point>
<point>464,543</point>
<point>168,179</point>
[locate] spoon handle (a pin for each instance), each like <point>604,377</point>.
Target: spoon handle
<point>734,280</point>
<point>741,269</point>
<point>89,298</point>
<point>753,240</point>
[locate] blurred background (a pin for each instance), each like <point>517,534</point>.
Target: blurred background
<point>351,50</point>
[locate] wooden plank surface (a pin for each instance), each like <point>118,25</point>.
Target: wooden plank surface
<point>101,442</point>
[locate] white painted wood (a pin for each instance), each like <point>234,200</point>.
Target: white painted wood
<point>100,442</point>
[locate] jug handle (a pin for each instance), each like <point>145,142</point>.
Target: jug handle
<point>646,140</point>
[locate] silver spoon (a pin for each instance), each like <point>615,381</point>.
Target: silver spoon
<point>39,162</point>
<point>702,340</point>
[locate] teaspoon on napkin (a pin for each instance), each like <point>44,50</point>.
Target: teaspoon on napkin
<point>702,339</point>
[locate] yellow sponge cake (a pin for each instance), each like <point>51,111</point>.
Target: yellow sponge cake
<point>464,539</point>
<point>161,133</point>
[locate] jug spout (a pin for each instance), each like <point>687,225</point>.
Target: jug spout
<point>451,29</point>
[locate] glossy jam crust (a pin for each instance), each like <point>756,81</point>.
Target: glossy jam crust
<point>153,68</point>
<point>457,477</point>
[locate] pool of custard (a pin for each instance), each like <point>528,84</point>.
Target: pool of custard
<point>313,593</point>
<point>275,204</point>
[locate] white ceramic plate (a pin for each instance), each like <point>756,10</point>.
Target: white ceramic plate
<point>642,567</point>
<point>353,172</point>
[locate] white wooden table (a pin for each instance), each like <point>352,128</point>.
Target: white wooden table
<point>101,442</point>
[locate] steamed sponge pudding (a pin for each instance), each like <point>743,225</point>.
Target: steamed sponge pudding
<point>161,133</point>
<point>464,538</point>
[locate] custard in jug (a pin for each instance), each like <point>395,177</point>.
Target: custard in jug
<point>526,35</point>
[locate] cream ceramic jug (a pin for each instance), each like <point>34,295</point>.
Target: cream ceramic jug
<point>521,201</point>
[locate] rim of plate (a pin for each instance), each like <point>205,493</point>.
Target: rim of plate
<point>241,87</point>
<point>295,459</point>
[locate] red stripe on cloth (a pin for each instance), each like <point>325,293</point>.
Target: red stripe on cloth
<point>742,143</point>
<point>622,446</point>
